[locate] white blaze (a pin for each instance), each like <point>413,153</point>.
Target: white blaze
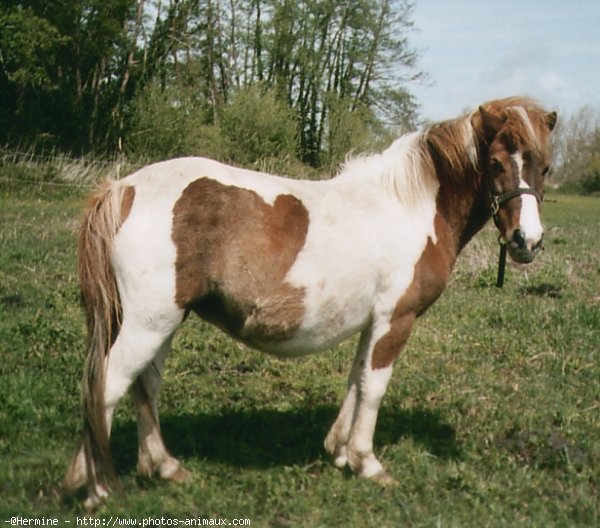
<point>530,223</point>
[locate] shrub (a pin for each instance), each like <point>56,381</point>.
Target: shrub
<point>253,126</point>
<point>590,179</point>
<point>166,123</point>
<point>256,126</point>
<point>352,128</point>
<point>586,180</point>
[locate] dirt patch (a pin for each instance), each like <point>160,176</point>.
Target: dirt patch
<point>543,290</point>
<point>545,449</point>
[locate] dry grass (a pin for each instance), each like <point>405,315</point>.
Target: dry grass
<point>62,169</point>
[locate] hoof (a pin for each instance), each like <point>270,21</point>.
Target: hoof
<point>169,469</point>
<point>69,488</point>
<point>95,500</point>
<point>340,461</point>
<point>336,449</point>
<point>384,478</point>
<point>180,475</point>
<point>340,457</point>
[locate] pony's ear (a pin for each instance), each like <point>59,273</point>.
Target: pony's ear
<point>489,124</point>
<point>551,120</point>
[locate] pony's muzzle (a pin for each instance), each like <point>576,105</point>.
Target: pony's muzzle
<point>523,249</point>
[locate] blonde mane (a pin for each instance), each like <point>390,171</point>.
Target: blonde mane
<point>453,141</point>
<point>406,168</point>
<point>403,169</point>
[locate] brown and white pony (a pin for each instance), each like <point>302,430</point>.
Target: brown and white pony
<point>293,267</point>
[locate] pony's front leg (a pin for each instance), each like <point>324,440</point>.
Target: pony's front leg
<point>375,369</point>
<point>336,442</point>
<point>362,460</point>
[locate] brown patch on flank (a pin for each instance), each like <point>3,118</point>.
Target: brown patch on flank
<point>233,252</point>
<point>127,202</point>
<point>429,280</point>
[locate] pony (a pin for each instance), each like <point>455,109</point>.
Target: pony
<point>292,267</point>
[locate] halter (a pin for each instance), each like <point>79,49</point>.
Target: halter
<point>497,200</point>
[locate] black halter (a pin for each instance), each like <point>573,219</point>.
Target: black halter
<point>497,200</point>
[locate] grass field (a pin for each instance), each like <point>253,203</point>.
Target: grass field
<point>492,417</point>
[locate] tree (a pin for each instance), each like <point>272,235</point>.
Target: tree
<point>577,152</point>
<point>70,84</point>
<point>73,73</point>
<point>349,52</point>
<point>29,48</point>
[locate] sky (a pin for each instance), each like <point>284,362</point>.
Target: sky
<point>476,50</point>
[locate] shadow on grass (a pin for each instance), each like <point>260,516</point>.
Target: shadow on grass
<point>267,438</point>
<point>543,290</point>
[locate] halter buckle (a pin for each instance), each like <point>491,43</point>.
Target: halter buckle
<point>498,199</point>
<point>495,205</point>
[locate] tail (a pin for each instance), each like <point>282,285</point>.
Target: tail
<point>101,303</point>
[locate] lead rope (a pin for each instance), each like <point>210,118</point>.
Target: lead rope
<point>496,202</point>
<point>501,266</point>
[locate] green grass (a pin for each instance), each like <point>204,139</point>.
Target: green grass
<point>491,418</point>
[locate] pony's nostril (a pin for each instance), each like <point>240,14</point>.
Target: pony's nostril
<point>519,238</point>
<point>539,244</point>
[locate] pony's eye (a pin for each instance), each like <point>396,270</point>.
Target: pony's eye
<point>547,170</point>
<point>496,166</point>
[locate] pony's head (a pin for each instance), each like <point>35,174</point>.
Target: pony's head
<point>516,132</point>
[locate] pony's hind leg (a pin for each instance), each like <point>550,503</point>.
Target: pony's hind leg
<point>76,476</point>
<point>135,360</point>
<point>153,457</point>
<point>133,351</point>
